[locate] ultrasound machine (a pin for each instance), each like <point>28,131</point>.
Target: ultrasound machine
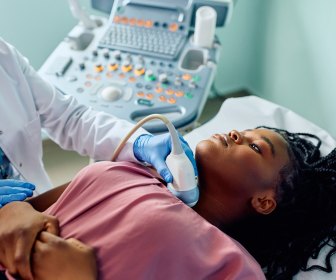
<point>140,59</point>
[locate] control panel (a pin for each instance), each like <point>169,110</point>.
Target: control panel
<point>112,69</point>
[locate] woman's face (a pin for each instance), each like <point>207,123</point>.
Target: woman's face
<point>240,163</point>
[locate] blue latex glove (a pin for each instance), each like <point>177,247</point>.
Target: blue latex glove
<point>14,190</point>
<point>155,149</point>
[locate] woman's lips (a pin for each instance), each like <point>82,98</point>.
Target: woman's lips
<point>222,138</point>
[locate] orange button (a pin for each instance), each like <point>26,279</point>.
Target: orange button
<point>149,95</point>
<point>139,72</point>
<point>132,79</point>
<point>179,93</point>
<point>98,78</point>
<point>148,23</point>
<point>186,77</point>
<point>158,89</point>
<point>140,22</point>
<point>162,98</point>
<point>99,68</point>
<point>116,19</point>
<point>113,66</point>
<point>124,20</point>
<point>126,68</point>
<point>132,21</point>
<point>169,91</point>
<point>171,100</point>
<point>122,75</point>
<point>173,27</point>
<point>140,94</point>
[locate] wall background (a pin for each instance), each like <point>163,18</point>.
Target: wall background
<point>281,50</point>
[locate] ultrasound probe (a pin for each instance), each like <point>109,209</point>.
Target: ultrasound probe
<point>184,185</point>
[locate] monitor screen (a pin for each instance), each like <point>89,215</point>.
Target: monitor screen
<point>104,6</point>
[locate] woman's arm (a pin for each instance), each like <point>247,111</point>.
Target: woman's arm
<point>24,222</point>
<point>55,258</point>
<point>20,225</point>
<point>45,200</point>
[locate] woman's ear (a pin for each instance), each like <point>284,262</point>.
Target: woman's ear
<point>264,202</point>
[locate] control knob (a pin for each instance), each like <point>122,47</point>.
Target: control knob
<point>163,78</point>
<point>106,53</point>
<point>117,55</point>
<point>149,75</point>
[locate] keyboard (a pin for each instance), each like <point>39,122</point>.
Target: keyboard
<point>142,40</point>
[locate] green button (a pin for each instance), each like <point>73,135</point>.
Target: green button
<point>150,78</point>
<point>145,102</point>
<point>189,95</point>
<point>120,10</point>
<point>196,78</point>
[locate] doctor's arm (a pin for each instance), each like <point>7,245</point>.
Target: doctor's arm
<point>96,134</point>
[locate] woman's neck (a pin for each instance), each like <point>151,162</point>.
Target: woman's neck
<point>221,212</point>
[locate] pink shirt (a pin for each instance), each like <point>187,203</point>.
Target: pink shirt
<point>141,231</point>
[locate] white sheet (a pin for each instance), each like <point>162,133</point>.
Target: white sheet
<point>251,111</point>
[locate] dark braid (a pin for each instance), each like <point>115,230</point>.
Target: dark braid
<point>305,218</point>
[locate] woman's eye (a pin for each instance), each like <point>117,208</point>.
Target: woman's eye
<point>255,148</point>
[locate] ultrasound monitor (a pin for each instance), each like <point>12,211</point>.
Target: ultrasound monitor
<point>149,66</point>
<point>104,6</point>
<point>222,10</point>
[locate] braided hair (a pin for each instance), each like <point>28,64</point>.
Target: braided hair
<point>304,220</point>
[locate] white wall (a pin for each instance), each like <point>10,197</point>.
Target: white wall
<point>36,27</point>
<point>298,67</point>
<point>240,54</point>
<point>284,51</point>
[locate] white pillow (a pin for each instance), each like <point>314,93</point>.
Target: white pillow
<point>251,111</point>
<point>248,112</point>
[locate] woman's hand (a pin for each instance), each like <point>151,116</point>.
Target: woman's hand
<point>20,225</point>
<point>57,259</point>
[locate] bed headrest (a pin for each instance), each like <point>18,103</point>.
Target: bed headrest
<point>250,111</point>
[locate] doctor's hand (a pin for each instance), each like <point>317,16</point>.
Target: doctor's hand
<point>14,190</point>
<point>155,149</point>
<point>20,224</point>
<point>55,258</point>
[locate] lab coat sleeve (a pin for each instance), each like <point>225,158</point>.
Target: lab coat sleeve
<point>74,126</point>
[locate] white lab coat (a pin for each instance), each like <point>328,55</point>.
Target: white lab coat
<point>29,103</point>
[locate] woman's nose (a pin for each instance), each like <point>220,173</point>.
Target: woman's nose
<point>236,136</point>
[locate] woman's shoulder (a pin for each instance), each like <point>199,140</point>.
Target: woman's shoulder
<point>129,170</point>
